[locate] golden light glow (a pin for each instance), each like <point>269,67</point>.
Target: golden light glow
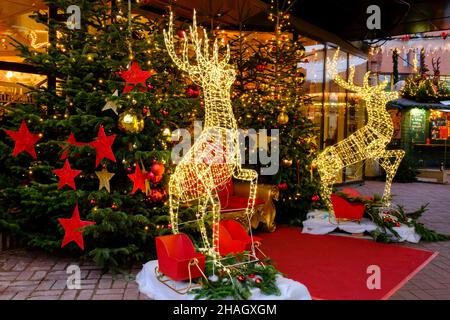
<point>369,142</point>
<point>214,158</point>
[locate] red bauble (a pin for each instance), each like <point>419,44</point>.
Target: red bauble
<point>251,275</point>
<point>444,35</point>
<point>158,169</point>
<point>315,198</point>
<point>157,179</point>
<point>114,206</point>
<point>241,278</point>
<point>92,201</point>
<point>144,111</point>
<point>258,280</point>
<point>156,195</point>
<point>24,140</point>
<point>260,67</point>
<point>181,33</point>
<point>193,91</point>
<point>283,186</point>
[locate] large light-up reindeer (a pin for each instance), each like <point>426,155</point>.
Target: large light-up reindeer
<point>369,142</point>
<point>214,158</point>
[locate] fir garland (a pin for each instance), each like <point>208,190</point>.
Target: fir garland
<point>391,218</point>
<point>239,280</point>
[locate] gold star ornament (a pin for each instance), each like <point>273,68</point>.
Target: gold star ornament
<point>104,176</point>
<point>111,104</point>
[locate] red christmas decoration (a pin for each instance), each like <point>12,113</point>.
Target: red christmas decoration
<point>72,142</point>
<point>156,195</point>
<point>181,33</point>
<point>444,35</point>
<point>134,76</point>
<point>103,146</point>
<point>283,186</point>
<point>138,178</point>
<point>258,280</point>
<point>260,67</point>
<point>251,275</point>
<point>24,140</point>
<point>315,198</point>
<point>66,175</point>
<point>158,169</point>
<point>241,278</point>
<point>72,228</point>
<point>193,91</point>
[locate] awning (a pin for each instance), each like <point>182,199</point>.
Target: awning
<point>409,104</point>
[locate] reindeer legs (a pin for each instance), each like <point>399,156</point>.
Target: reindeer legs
<point>174,205</point>
<point>390,161</point>
<point>251,176</point>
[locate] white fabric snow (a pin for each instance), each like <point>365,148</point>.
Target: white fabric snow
<point>150,285</point>
<point>320,222</point>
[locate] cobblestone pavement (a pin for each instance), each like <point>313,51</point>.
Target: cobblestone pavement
<point>33,275</point>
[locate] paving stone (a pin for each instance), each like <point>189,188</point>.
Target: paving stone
<point>85,294</point>
<point>69,295</point>
<point>109,291</point>
<point>39,275</point>
<point>45,285</point>
<point>59,284</point>
<point>108,297</point>
<point>46,293</point>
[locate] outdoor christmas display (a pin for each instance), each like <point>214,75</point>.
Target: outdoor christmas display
<point>369,142</point>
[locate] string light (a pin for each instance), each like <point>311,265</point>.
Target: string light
<point>369,142</point>
<point>214,158</point>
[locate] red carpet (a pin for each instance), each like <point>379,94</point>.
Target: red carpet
<point>335,267</point>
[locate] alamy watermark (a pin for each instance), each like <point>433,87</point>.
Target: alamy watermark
<point>257,146</point>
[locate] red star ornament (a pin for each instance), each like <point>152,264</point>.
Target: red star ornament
<point>72,229</point>
<point>134,76</point>
<point>66,175</point>
<point>103,146</point>
<point>24,140</point>
<point>71,141</point>
<point>138,178</point>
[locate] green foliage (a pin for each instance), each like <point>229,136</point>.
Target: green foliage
<point>86,63</point>
<point>423,89</point>
<point>407,171</point>
<point>238,282</point>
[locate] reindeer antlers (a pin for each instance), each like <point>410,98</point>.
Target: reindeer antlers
<point>333,72</point>
<point>204,59</point>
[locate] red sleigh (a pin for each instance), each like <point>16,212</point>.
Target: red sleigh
<point>233,238</point>
<point>346,210</point>
<point>178,260</point>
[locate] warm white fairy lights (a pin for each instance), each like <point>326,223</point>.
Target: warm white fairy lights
<point>214,158</point>
<point>369,142</point>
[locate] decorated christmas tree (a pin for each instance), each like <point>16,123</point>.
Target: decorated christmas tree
<point>85,165</point>
<point>268,94</point>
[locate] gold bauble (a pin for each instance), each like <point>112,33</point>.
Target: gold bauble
<point>283,118</point>
<point>300,52</point>
<point>131,122</point>
<point>286,162</point>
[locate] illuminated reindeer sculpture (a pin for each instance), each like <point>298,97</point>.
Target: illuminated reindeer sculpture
<point>214,158</point>
<point>369,142</point>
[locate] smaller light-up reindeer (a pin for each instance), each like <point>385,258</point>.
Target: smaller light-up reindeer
<point>214,158</point>
<point>369,142</point>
